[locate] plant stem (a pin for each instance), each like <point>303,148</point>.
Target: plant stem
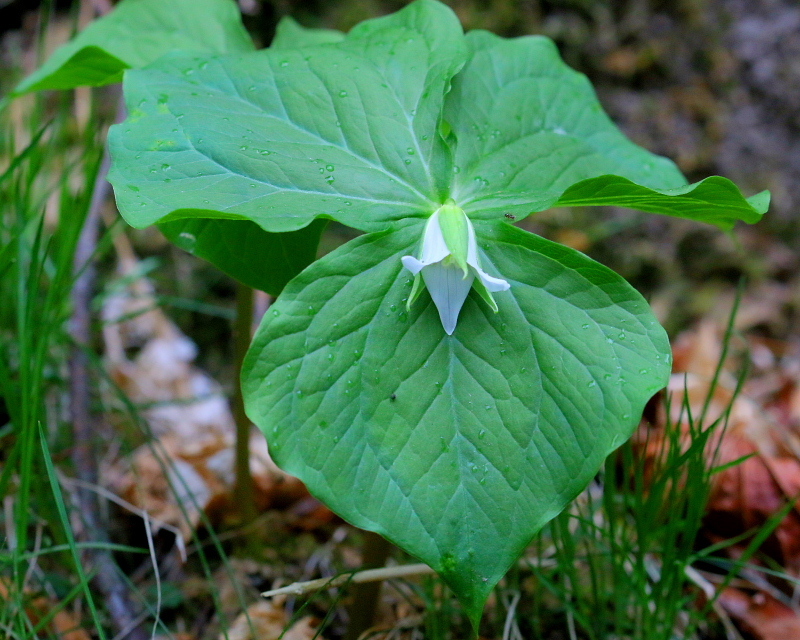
<point>367,575</point>
<point>244,491</point>
<point>364,595</point>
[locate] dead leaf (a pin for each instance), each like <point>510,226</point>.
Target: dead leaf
<point>761,615</point>
<point>189,468</point>
<point>266,620</point>
<point>746,495</point>
<point>63,624</point>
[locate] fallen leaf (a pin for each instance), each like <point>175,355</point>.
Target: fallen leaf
<point>765,617</point>
<point>266,620</point>
<point>188,469</point>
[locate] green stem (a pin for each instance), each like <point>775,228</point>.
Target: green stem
<point>364,596</point>
<point>244,492</point>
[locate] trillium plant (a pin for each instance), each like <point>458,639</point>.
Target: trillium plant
<point>447,379</point>
<point>449,265</point>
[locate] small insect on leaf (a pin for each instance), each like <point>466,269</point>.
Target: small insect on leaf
<point>393,397</point>
<point>510,216</point>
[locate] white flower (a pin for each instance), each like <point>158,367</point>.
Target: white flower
<point>449,265</point>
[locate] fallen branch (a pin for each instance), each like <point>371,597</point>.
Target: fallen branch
<point>368,575</point>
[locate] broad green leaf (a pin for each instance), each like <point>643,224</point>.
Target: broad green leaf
<point>243,250</point>
<point>457,448</point>
<point>280,137</point>
<point>715,200</point>
<point>526,128</point>
<point>291,35</point>
<point>136,33</point>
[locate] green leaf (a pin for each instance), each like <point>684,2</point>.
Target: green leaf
<point>136,33</point>
<point>715,200</point>
<point>291,35</point>
<point>243,250</point>
<point>457,448</point>
<point>529,133</point>
<point>280,137</point>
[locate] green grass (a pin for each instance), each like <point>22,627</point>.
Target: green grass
<point>40,221</point>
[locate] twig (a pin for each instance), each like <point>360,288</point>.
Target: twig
<point>113,588</point>
<point>368,575</point>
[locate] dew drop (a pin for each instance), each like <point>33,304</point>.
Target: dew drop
<point>284,63</point>
<point>407,161</point>
<point>343,94</point>
<point>330,167</point>
<point>330,179</point>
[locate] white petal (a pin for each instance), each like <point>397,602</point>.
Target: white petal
<point>472,247</point>
<point>492,283</point>
<point>412,264</point>
<point>434,248</point>
<point>448,288</point>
